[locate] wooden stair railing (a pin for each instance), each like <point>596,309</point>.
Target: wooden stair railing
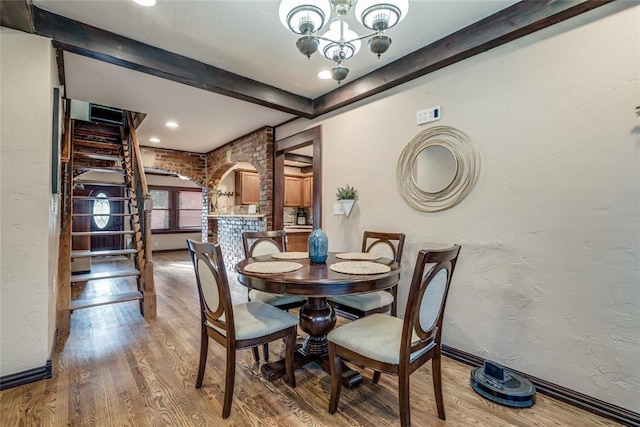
<point>105,148</point>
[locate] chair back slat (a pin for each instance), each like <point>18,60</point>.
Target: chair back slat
<point>387,245</point>
<point>256,243</point>
<point>427,299</point>
<point>213,285</point>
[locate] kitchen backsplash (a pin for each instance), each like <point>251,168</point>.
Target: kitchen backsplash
<point>290,216</point>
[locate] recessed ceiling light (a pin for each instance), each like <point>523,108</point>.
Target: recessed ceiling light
<point>145,3</point>
<point>324,75</point>
<point>154,140</point>
<point>171,125</point>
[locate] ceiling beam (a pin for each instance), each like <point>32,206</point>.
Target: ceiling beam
<point>93,42</point>
<point>16,14</point>
<point>516,21</point>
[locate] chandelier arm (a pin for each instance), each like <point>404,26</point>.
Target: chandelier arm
<point>348,41</point>
<point>363,37</point>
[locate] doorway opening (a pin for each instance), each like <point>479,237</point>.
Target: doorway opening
<point>311,137</point>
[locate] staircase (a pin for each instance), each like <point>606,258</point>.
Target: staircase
<point>112,149</point>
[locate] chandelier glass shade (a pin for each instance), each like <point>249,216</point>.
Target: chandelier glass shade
<point>308,17</point>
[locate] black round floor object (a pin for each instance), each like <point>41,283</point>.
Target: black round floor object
<point>494,382</point>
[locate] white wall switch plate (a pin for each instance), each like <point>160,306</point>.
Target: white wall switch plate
<point>429,115</point>
<point>337,209</point>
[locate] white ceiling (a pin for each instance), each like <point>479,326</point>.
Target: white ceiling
<point>244,37</point>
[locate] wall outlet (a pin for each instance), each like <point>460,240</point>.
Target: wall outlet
<point>337,209</point>
<point>428,115</point>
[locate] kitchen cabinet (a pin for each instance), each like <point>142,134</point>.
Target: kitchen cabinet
<point>292,191</point>
<point>307,192</point>
<point>247,188</point>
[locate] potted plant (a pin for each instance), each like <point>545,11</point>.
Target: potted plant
<point>347,196</point>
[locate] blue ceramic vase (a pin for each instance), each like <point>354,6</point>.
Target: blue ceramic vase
<point>318,246</point>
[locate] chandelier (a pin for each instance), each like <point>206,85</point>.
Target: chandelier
<point>307,17</point>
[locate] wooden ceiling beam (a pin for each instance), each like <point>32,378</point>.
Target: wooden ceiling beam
<point>93,42</point>
<point>16,14</point>
<point>516,21</point>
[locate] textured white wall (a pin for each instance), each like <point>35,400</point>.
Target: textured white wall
<point>548,278</point>
<point>27,227</point>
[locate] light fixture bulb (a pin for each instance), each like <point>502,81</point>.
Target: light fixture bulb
<point>145,3</point>
<point>331,50</point>
<point>171,124</point>
<point>324,75</point>
<point>380,15</point>
<point>304,17</point>
<point>154,139</point>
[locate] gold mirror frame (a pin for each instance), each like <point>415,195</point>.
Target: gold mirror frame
<point>467,159</point>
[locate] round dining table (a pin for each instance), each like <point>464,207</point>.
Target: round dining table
<point>316,317</point>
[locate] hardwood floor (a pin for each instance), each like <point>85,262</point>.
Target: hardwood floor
<point>116,369</point>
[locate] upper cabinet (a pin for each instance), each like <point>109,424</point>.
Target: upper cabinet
<point>292,186</point>
<point>307,192</point>
<point>247,188</point>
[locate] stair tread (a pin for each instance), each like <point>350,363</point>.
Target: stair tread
<point>102,233</point>
<point>96,144</point>
<point>105,275</point>
<point>100,183</point>
<point>82,254</point>
<point>106,299</point>
<point>97,156</point>
<point>100,198</point>
<point>92,214</point>
<point>98,169</point>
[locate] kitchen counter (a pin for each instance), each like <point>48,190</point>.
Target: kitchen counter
<point>236,216</point>
<point>298,228</point>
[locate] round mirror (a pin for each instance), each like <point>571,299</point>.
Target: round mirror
<point>435,168</point>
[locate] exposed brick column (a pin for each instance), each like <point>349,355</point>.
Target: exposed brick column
<point>255,148</point>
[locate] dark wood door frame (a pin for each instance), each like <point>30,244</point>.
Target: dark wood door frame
<point>283,146</point>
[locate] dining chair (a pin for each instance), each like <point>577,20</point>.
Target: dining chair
<point>396,346</point>
<point>387,245</point>
<point>257,243</point>
<point>235,327</point>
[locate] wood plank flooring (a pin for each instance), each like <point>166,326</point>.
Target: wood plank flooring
<point>116,369</point>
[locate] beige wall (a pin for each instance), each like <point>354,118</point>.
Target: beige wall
<point>29,224</point>
<point>548,277</point>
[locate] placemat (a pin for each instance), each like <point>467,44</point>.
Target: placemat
<point>290,255</point>
<point>272,267</point>
<point>359,256</point>
<point>359,267</point>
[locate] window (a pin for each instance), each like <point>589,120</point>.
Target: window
<point>101,211</point>
<point>176,209</point>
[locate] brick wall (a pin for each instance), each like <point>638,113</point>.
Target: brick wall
<point>191,165</point>
<point>203,169</point>
<point>255,148</point>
